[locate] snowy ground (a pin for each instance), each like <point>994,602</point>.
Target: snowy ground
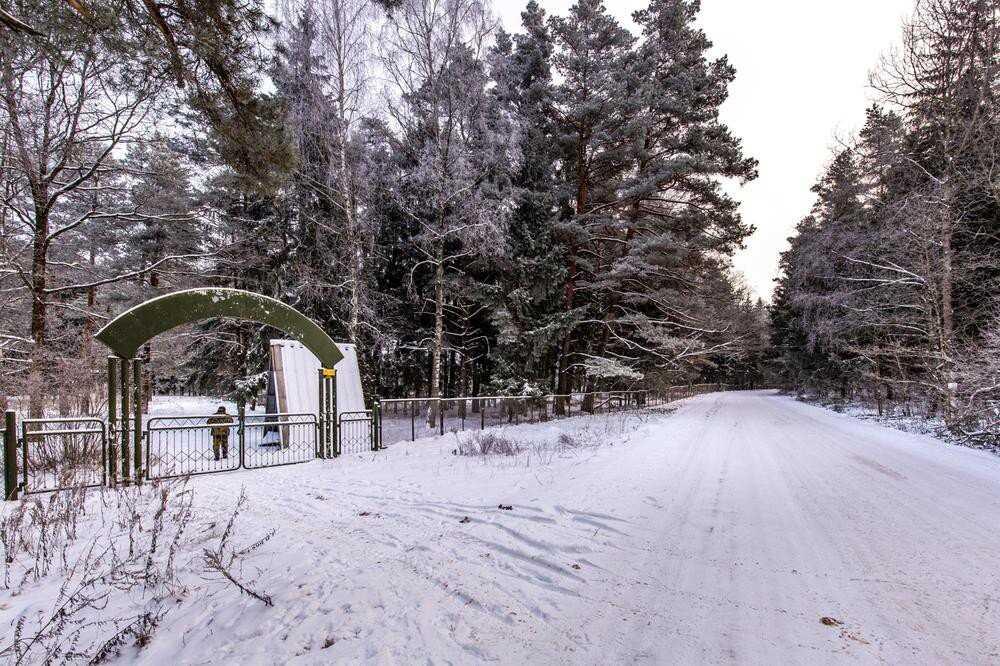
<point>742,528</point>
<point>896,417</point>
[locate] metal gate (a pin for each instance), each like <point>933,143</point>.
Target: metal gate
<point>188,445</point>
<point>356,432</point>
<point>183,445</point>
<point>62,453</point>
<point>271,440</point>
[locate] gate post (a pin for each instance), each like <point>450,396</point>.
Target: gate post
<point>376,425</point>
<point>111,440</point>
<point>137,414</point>
<point>126,386</point>
<point>321,416</point>
<point>241,418</point>
<point>10,456</point>
<point>329,439</point>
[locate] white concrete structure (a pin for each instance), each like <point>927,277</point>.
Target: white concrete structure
<point>294,379</point>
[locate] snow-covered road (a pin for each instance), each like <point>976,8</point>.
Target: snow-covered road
<point>723,532</point>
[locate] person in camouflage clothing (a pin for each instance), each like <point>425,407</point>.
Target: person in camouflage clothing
<point>220,423</point>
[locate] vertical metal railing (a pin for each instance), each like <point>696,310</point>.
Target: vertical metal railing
<point>123,449</point>
<point>355,432</point>
<point>412,418</point>
<point>62,453</point>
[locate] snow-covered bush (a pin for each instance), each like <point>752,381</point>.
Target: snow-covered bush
<point>100,572</point>
<point>487,443</point>
<point>516,446</point>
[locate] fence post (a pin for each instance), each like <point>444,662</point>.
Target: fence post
<point>10,456</point>
<point>440,415</point>
<point>331,389</point>
<point>376,425</point>
<point>241,418</point>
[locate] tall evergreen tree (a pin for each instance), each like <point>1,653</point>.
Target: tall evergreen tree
<point>531,273</point>
<point>593,104</point>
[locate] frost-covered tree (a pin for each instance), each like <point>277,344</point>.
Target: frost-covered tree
<point>532,273</point>
<point>593,107</point>
<point>71,105</point>
<point>892,283</point>
<point>647,223</point>
<point>673,219</point>
<point>453,146</point>
<point>533,212</point>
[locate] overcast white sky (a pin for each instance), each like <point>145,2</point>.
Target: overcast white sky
<point>801,82</point>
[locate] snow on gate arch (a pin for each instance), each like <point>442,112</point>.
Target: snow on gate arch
<point>136,326</point>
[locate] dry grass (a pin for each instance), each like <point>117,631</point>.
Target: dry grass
<point>98,571</point>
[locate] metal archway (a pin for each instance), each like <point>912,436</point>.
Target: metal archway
<point>127,332</point>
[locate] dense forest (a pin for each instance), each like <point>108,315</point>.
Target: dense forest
<point>889,291</point>
<point>478,211</point>
<point>487,213</point>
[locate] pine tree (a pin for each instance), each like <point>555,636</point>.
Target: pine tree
<point>530,274</point>
<point>593,104</point>
<point>658,286</point>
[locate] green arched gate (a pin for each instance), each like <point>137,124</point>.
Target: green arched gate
<point>188,440</point>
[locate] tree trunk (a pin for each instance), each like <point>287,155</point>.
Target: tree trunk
<point>438,335</point>
<point>569,289</point>
<point>947,306</point>
<point>353,236</point>
<point>462,384</point>
<point>39,312</point>
<point>476,406</point>
<point>562,378</point>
